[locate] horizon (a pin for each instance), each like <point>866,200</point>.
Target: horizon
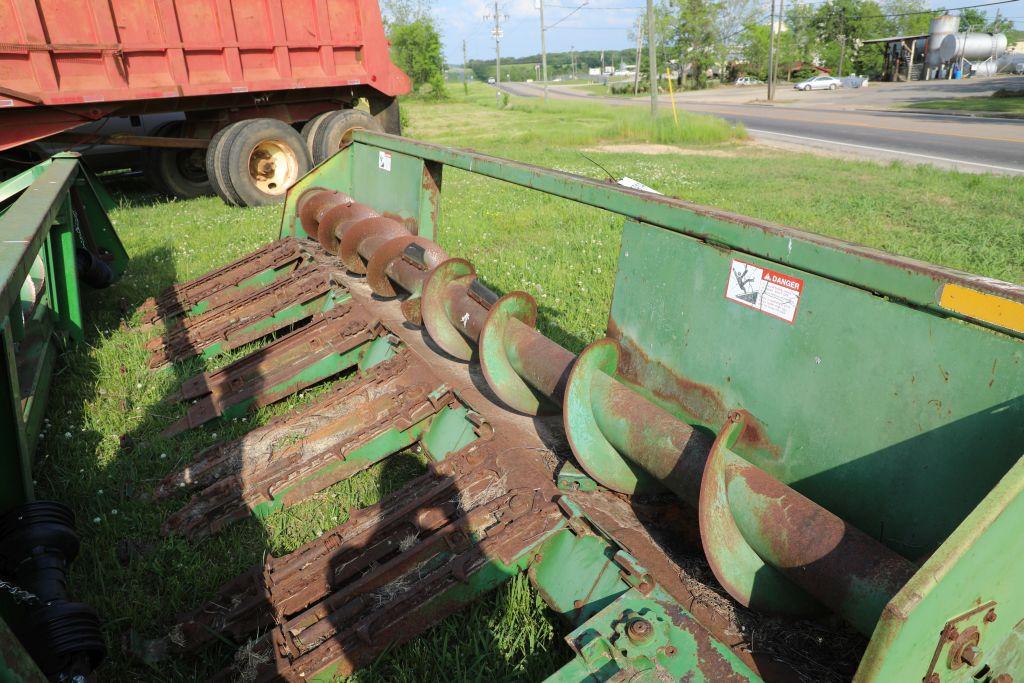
<point>597,26</point>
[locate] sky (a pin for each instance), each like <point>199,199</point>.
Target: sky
<point>599,25</point>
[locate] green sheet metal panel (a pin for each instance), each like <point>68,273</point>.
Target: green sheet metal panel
<point>401,186</point>
<point>896,419</point>
<point>998,304</point>
<point>47,213</point>
<point>976,572</point>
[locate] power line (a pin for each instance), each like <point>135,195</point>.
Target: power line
<point>931,11</point>
<point>595,28</point>
<point>567,15</point>
<point>598,8</point>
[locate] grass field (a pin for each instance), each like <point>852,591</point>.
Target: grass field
<point>1000,105</point>
<point>101,451</point>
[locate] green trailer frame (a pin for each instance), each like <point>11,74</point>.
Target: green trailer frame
<point>48,211</point>
<point>888,391</point>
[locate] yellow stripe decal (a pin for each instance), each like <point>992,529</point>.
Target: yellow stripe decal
<point>988,308</point>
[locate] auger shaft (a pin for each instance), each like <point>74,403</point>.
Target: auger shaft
<point>786,533</point>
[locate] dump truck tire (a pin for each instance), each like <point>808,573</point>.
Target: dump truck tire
<point>215,165</point>
<point>176,172</point>
<point>309,129</point>
<point>261,159</point>
<point>336,130</point>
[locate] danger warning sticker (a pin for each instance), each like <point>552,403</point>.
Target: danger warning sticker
<point>768,291</point>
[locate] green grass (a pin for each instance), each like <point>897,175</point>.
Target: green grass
<point>601,89</point>
<point>1002,105</point>
<point>563,123</point>
<point>561,252</point>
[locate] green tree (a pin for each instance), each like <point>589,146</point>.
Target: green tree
<point>907,17</point>
<point>999,23</point>
<point>695,37</point>
<point>973,19</point>
<point>416,50</point>
<point>402,12</point>
<point>756,44</point>
<point>842,25</point>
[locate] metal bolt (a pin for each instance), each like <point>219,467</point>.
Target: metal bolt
<point>670,651</point>
<point>931,678</point>
<point>950,633</point>
<point>1003,678</point>
<point>639,630</point>
<point>971,654</point>
<point>990,616</point>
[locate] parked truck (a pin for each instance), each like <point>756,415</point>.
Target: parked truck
<point>240,97</point>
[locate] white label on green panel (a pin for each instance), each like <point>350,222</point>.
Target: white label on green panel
<point>765,290</point>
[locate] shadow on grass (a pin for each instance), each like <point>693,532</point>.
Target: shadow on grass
<point>138,579</point>
<point>102,453</point>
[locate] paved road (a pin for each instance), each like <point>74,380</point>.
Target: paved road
<point>977,145</point>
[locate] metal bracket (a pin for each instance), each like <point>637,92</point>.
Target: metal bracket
<point>963,643</point>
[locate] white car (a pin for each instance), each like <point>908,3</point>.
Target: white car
<point>491,80</point>
<point>747,80</point>
<point>819,83</point>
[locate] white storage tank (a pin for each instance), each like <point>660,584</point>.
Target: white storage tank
<point>941,27</point>
<point>972,46</point>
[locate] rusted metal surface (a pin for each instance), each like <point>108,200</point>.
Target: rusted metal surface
<point>843,568</point>
<point>370,583</point>
<point>246,316</point>
<point>294,457</point>
<point>134,140</point>
<point>275,371</point>
<point>223,283</point>
<point>374,581</point>
<point>519,363</point>
<point>700,403</point>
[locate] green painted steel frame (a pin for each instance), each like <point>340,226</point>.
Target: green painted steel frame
<point>354,170</point>
<point>45,212</point>
<point>407,187</point>
<point>856,299</point>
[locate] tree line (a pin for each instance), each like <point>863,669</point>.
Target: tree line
<point>701,40</point>
<point>731,37</point>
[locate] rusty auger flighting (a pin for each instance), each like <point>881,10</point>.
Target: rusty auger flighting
<point>711,399</point>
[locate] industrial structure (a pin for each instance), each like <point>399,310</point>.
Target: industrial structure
<point>943,52</point>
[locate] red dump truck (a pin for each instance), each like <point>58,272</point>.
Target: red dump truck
<point>238,97</point>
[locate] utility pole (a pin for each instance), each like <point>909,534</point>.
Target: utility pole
<point>572,51</point>
<point>543,52</point>
<point>465,66</point>
<point>771,56</point>
<point>496,32</point>
<point>778,59</point>
<point>651,49</point>
<point>842,41</point>
<point>636,70</point>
